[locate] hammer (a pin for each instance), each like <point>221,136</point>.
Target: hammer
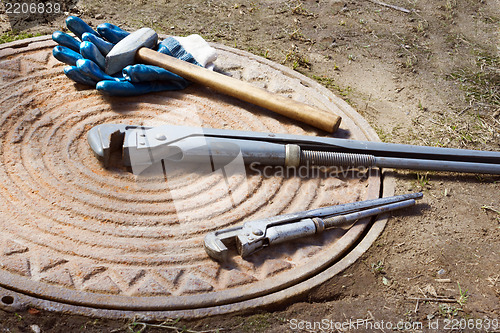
<point>136,47</point>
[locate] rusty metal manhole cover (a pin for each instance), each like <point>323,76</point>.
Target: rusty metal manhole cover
<point>77,237</point>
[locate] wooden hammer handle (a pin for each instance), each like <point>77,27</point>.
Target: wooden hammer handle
<point>242,90</point>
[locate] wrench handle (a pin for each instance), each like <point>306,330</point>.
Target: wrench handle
<point>342,221</point>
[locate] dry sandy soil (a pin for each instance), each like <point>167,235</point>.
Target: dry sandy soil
<point>430,76</point>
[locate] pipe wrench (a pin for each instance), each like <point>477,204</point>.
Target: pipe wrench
<point>141,147</point>
<point>255,235</point>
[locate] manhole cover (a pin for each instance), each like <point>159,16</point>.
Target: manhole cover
<point>77,237</point>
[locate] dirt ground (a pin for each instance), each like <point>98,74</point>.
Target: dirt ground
<point>427,76</point>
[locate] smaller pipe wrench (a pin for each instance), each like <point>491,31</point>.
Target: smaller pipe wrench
<point>255,235</point>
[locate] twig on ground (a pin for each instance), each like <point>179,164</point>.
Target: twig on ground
<point>166,325</point>
<point>429,299</point>
<point>401,9</point>
<point>467,108</point>
<point>493,280</point>
<point>415,277</point>
<point>491,208</point>
<point>443,280</point>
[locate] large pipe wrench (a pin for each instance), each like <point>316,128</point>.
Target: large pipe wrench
<point>141,147</point>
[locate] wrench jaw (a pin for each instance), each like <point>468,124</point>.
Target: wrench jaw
<point>108,139</point>
<point>104,139</point>
<point>217,242</point>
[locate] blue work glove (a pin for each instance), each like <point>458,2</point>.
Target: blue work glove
<point>86,58</point>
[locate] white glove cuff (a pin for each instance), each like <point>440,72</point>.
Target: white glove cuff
<point>204,54</point>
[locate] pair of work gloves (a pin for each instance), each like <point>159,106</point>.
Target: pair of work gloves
<point>86,59</point>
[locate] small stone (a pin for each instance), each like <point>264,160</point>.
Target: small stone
<point>35,328</point>
<point>99,16</point>
<point>33,311</point>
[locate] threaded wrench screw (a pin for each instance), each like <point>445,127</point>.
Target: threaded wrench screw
<point>326,158</point>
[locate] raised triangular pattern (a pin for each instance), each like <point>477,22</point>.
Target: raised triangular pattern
<point>210,269</point>
<point>47,262</point>
<point>103,284</point>
<point>172,275</point>
<point>6,76</point>
<point>13,247</point>
<point>39,57</point>
<point>243,264</point>
<point>193,284</point>
<point>85,272</point>
<point>30,66</point>
<point>13,65</point>
<point>235,278</point>
<point>274,266</point>
<point>16,263</point>
<point>59,277</point>
<point>151,287</point>
<point>129,275</point>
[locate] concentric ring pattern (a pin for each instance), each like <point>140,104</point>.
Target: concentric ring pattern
<point>75,228</point>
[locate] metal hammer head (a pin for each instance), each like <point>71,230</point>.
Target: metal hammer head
<point>123,53</point>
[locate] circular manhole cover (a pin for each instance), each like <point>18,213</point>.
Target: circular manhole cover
<point>81,238</point>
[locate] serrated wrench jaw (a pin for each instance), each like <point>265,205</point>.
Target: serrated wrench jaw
<point>106,138</point>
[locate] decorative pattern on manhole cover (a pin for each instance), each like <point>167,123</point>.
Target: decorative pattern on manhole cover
<point>75,232</point>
